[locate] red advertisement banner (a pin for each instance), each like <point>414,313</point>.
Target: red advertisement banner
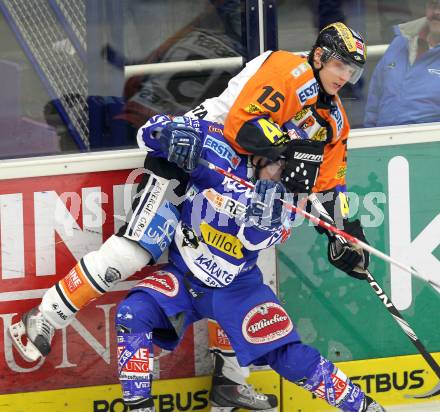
<point>46,225</point>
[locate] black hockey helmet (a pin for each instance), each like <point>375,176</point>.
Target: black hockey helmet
<point>342,43</point>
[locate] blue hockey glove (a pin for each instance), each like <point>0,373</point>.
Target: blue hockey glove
<point>265,209</point>
<point>349,258</point>
<point>182,143</point>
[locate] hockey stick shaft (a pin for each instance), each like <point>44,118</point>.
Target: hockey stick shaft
<point>403,324</point>
<point>406,328</point>
<point>389,305</point>
<point>325,224</point>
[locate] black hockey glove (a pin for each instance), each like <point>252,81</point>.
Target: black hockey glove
<point>182,143</point>
<point>265,208</point>
<point>303,160</point>
<point>347,257</point>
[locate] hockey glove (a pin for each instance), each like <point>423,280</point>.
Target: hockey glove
<point>303,160</point>
<point>347,257</point>
<point>182,143</point>
<point>265,209</point>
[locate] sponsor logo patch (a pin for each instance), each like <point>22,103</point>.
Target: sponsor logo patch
<point>73,280</point>
<point>320,135</point>
<point>216,274</point>
<point>307,91</point>
<point>337,117</point>
<point>253,109</point>
<point>215,129</point>
<point>190,239</point>
<point>149,203</point>
<point>138,365</point>
<point>341,172</point>
<point>314,158</point>
<point>302,113</point>
<point>224,242</point>
<point>112,275</point>
<point>222,150</point>
<point>265,323</point>
<point>217,337</point>
<point>192,192</point>
<point>339,386</point>
<point>224,204</point>
<point>302,68</point>
<point>163,282</point>
<point>346,35</point>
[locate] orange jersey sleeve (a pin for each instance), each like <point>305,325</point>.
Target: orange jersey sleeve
<point>334,165</point>
<point>280,87</point>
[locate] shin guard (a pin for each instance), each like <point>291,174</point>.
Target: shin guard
<point>332,385</point>
<point>135,366</point>
<point>95,274</point>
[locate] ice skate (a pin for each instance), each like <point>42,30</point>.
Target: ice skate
<point>32,335</point>
<point>372,406</point>
<point>150,409</point>
<point>227,395</point>
<point>146,409</point>
<point>141,405</point>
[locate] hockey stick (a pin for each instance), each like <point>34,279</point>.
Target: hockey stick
<point>406,328</point>
<point>326,225</point>
<point>404,325</point>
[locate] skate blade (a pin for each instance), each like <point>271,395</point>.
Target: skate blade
<point>223,408</point>
<point>27,351</point>
<point>215,408</point>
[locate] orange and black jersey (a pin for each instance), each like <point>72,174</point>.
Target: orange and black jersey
<point>279,97</point>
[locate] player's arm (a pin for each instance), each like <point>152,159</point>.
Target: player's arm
<point>178,139</point>
<point>262,136</point>
<point>342,254</point>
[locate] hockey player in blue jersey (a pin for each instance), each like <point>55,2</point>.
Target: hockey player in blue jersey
<point>213,273</point>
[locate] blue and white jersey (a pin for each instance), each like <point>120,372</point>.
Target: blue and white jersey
<point>213,241</point>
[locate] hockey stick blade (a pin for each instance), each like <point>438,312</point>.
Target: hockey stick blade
<point>409,332</point>
<point>433,392</point>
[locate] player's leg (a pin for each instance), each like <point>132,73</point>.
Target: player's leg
<point>304,366</point>
<point>141,241</point>
<point>262,333</point>
<point>136,318</point>
<point>229,389</point>
<point>159,309</point>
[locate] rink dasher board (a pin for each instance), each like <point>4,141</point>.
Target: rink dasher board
<point>133,158</point>
<point>106,162</point>
<point>39,246</point>
<point>193,393</point>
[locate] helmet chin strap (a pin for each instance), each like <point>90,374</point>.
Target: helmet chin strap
<point>323,96</point>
